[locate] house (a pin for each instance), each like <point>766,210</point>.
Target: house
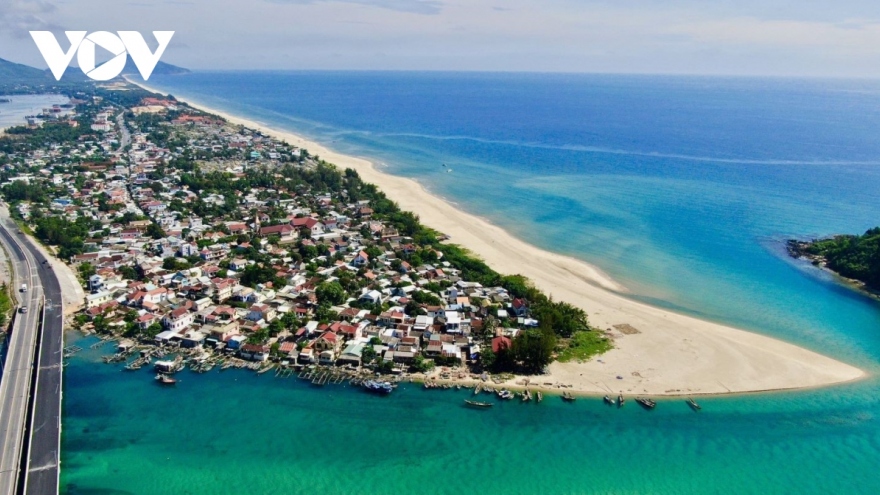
<point>453,322</point>
<point>192,340</point>
<point>178,319</point>
<point>519,307</point>
<point>361,259</point>
<point>255,352</point>
<point>202,303</point>
<point>423,323</point>
<point>352,354</point>
<point>435,311</point>
<point>372,297</point>
<point>236,342</point>
<point>222,332</point>
<point>263,312</point>
<point>391,318</point>
<point>238,264</point>
<point>327,358</point>
<point>223,289</point>
<point>287,348</point>
<point>146,320</point>
<point>399,356</point>
<point>286,231</point>
<point>96,283</point>
<point>327,346</point>
<point>93,300</point>
<point>306,355</point>
<point>501,342</point>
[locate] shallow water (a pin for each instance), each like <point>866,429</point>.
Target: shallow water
<point>14,112</point>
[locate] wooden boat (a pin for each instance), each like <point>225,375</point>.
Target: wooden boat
<point>566,396</point>
<point>478,389</point>
<point>481,405</point>
<point>620,400</point>
<point>691,402</point>
<point>539,396</point>
<point>646,403</point>
<point>165,379</point>
<point>609,400</point>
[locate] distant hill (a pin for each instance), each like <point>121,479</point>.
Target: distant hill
<point>19,78</point>
<point>12,71</point>
<point>22,79</point>
<point>161,69</point>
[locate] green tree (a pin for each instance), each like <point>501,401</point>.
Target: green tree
<point>86,270</point>
<point>331,293</point>
<point>128,273</point>
<point>534,349</point>
<point>368,355</point>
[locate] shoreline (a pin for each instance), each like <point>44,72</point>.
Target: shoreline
<point>657,351</point>
<point>820,263</point>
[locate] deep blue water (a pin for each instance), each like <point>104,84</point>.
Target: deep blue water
<point>680,188</point>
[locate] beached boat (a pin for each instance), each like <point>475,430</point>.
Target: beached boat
<point>378,387</point>
<point>609,400</point>
<point>540,396</point>
<point>691,402</point>
<point>505,394</point>
<point>566,396</point>
<point>620,400</point>
<point>165,379</point>
<point>474,403</point>
<point>646,403</point>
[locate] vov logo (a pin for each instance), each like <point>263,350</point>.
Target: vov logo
<point>126,43</point>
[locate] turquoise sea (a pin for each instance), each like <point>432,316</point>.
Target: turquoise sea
<point>681,188</point>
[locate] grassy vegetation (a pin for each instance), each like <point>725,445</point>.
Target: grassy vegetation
<point>5,304</point>
<point>583,345</point>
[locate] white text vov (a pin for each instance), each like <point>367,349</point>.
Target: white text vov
<point>126,43</point>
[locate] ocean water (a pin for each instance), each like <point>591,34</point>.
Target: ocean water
<point>680,188</point>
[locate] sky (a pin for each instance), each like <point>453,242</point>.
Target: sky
<point>839,38</point>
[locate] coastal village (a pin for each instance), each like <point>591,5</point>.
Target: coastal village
<point>201,243</point>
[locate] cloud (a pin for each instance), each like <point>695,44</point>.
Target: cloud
<point>424,7</point>
<point>17,17</point>
<point>852,35</point>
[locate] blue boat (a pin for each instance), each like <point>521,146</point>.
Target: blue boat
<point>378,387</point>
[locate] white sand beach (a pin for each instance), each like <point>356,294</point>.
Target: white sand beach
<point>660,353</point>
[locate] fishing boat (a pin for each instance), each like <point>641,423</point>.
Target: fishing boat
<point>505,394</point>
<point>646,403</point>
<point>378,387</point>
<point>691,402</point>
<point>540,396</point>
<point>165,379</point>
<point>481,405</point>
<point>620,400</point>
<point>566,396</point>
<point>609,400</point>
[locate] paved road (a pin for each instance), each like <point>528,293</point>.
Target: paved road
<point>124,134</point>
<point>15,385</point>
<point>45,431</point>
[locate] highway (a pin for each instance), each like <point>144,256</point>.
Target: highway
<point>45,432</point>
<point>30,398</point>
